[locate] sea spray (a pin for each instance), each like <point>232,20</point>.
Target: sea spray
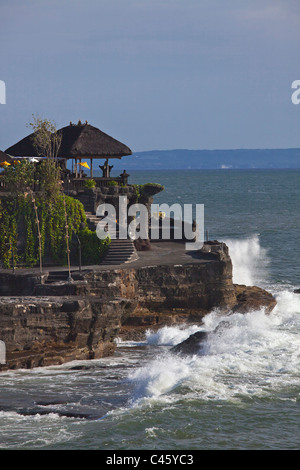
<point>170,335</point>
<point>257,355</point>
<point>159,377</point>
<point>249,260</point>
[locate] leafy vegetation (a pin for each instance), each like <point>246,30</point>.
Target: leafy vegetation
<point>90,183</point>
<point>112,183</point>
<point>145,190</point>
<point>19,241</point>
<point>37,221</point>
<point>92,250</point>
<point>19,176</point>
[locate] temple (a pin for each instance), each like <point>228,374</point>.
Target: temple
<point>80,145</point>
<point>77,149</point>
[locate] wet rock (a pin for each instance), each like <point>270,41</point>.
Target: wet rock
<point>192,345</point>
<point>250,298</point>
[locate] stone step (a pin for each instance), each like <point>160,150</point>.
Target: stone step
<point>120,251</point>
<point>119,242</point>
<point>118,255</point>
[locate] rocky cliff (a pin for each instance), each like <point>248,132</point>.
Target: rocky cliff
<point>43,321</point>
<point>47,331</point>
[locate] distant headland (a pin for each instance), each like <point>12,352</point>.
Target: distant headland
<point>184,159</point>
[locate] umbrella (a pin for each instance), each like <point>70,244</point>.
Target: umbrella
<point>5,163</point>
<point>4,157</point>
<point>85,165</point>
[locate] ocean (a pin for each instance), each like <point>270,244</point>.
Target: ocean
<point>240,393</point>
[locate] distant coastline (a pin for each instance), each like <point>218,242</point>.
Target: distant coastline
<point>184,159</point>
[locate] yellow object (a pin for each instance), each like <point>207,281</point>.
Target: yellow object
<point>159,215</point>
<point>5,164</point>
<point>85,165</point>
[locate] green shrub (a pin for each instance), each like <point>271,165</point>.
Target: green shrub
<point>89,183</point>
<point>18,228</point>
<point>92,248</point>
<point>145,190</point>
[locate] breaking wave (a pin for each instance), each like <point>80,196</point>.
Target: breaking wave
<point>256,356</point>
<point>249,259</point>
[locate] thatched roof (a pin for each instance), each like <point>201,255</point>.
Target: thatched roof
<point>84,140</point>
<point>5,158</point>
<point>78,140</point>
<point>23,148</point>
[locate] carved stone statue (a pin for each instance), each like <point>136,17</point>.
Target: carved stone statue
<point>106,169</point>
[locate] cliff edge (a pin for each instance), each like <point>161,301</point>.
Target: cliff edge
<point>47,320</point>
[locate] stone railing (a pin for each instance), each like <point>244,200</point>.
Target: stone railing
<point>100,182</point>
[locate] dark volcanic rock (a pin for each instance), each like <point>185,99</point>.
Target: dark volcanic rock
<point>191,345</point>
<point>195,342</point>
<point>250,298</point>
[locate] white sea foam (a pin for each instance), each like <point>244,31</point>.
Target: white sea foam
<point>170,335</point>
<point>257,355</point>
<point>249,260</point>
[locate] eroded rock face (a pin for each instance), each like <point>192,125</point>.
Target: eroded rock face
<point>47,331</point>
<point>168,294</point>
<point>251,298</point>
<point>52,323</point>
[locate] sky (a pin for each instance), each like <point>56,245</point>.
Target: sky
<point>154,74</point>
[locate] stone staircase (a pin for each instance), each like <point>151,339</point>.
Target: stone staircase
<point>57,276</point>
<point>120,250</point>
<point>87,200</point>
<point>62,276</point>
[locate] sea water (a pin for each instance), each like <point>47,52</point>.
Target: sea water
<point>241,392</point>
